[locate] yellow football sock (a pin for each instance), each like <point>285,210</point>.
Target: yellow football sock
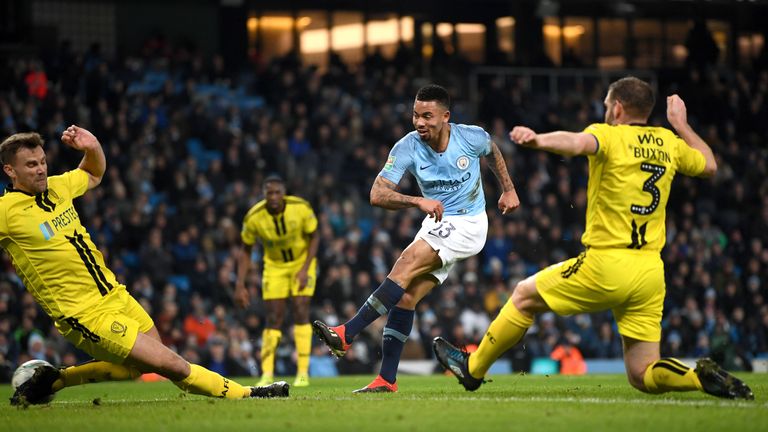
<point>302,333</point>
<point>269,341</point>
<point>94,371</point>
<point>207,383</point>
<point>504,332</point>
<point>669,374</point>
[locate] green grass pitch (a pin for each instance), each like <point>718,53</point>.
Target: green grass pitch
<point>432,404</point>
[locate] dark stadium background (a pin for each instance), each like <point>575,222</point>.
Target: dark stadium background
<point>196,101</point>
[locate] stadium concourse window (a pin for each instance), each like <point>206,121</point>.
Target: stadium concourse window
<point>720,31</point>
<point>314,39</point>
<point>270,35</point>
<point>649,44</point>
<point>676,32</point>
<point>750,45</point>
<point>466,40</point>
<point>569,45</point>
<point>505,33</point>
<point>612,43</point>
<point>349,37</point>
<point>384,32</point>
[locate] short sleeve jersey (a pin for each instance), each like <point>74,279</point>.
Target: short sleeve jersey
<point>283,235</point>
<point>630,177</point>
<point>451,177</point>
<point>50,249</point>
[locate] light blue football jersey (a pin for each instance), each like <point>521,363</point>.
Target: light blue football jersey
<point>451,177</point>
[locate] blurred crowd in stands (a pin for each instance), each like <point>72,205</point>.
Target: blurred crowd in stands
<point>188,141</point>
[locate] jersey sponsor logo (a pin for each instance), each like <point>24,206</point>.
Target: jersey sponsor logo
<point>462,162</point>
<point>650,138</point>
<point>644,152</point>
<point>65,218</point>
<point>47,231</point>
<point>447,185</point>
<point>423,167</point>
<point>390,163</point>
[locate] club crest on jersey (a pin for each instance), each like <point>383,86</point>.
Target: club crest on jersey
<point>47,231</point>
<point>52,194</point>
<point>118,328</point>
<point>462,162</point>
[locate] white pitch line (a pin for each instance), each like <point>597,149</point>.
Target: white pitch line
<point>589,400</point>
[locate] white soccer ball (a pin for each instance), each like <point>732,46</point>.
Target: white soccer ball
<point>24,372</point>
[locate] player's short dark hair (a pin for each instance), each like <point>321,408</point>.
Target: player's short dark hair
<point>434,92</point>
<point>13,143</point>
<point>273,178</point>
<point>634,94</point>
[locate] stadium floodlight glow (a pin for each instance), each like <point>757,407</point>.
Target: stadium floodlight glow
<point>571,31</point>
<point>350,36</point>
<point>506,21</point>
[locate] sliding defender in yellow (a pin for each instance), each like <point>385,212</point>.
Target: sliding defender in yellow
<point>631,167</point>
<point>64,271</point>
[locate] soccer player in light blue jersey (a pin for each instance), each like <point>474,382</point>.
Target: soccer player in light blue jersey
<point>445,160</point>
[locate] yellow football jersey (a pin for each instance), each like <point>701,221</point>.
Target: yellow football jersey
<point>630,177</point>
<point>284,235</point>
<point>50,250</point>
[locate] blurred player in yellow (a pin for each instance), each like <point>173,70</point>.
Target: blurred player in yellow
<point>61,267</point>
<point>631,167</point>
<point>286,226</point>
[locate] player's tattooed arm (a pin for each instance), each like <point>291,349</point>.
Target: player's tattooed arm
<point>508,202</point>
<point>499,168</point>
<point>384,194</point>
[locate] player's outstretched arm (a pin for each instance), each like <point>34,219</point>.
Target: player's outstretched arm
<point>560,142</point>
<point>94,162</point>
<point>385,195</point>
<point>677,115</point>
<point>509,201</point>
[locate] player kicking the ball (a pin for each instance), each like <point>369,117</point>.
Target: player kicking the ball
<point>445,159</point>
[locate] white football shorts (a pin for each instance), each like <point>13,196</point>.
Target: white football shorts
<point>454,238</point>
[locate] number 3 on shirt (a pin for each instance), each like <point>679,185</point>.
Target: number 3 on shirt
<point>443,230</point>
<point>650,186</point>
<point>638,232</point>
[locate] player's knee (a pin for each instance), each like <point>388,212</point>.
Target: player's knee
<point>274,320</point>
<point>636,381</point>
<point>400,277</point>
<point>521,300</point>
<point>407,301</point>
<point>301,315</point>
<point>636,377</point>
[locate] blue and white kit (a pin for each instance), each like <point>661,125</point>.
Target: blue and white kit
<point>453,178</point>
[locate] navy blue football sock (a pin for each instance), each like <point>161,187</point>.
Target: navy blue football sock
<point>378,304</point>
<point>396,333</point>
